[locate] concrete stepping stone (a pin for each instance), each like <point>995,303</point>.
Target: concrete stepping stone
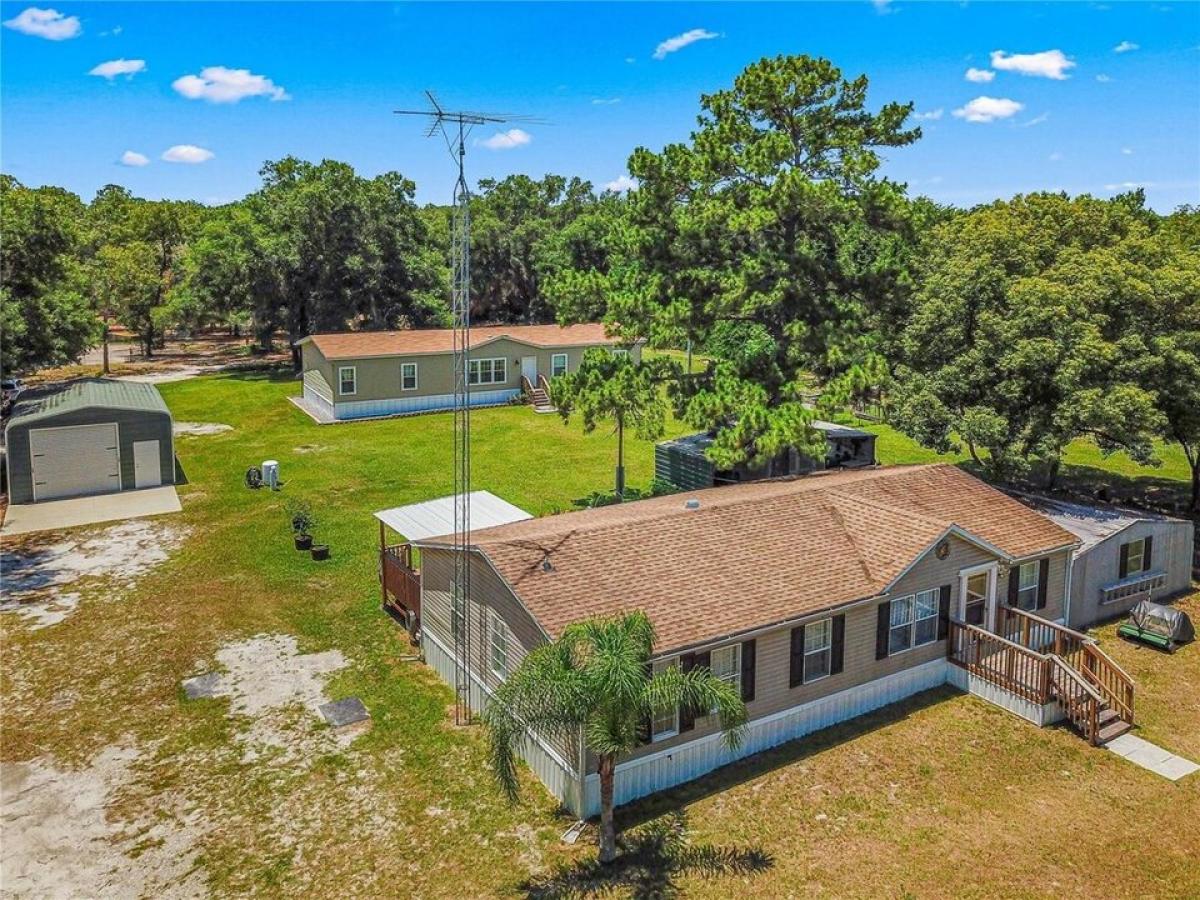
<point>1151,757</point>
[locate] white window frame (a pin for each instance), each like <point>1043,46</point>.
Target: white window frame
<point>495,363</point>
<point>992,571</point>
<point>620,351</point>
<point>1141,557</point>
<point>415,381</point>
<point>554,358</point>
<point>1023,588</point>
<point>735,676</point>
<point>353,370</point>
<point>497,645</point>
<point>826,649</point>
<point>910,625</point>
<point>657,668</point>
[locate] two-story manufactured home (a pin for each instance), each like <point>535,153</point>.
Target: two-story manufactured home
<point>821,598</point>
<point>361,374</point>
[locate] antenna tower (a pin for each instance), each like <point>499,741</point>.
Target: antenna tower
<point>454,127</point>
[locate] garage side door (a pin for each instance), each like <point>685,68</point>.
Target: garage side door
<point>75,460</point>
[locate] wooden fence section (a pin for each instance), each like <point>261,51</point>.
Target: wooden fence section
<point>401,582</point>
<point>1002,662</point>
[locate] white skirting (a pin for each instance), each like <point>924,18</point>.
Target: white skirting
<point>314,396</point>
<point>1036,713</point>
<point>648,774</point>
<point>398,406</point>
<point>555,773</point>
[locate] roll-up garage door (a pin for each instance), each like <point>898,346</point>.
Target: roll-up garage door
<point>74,460</point>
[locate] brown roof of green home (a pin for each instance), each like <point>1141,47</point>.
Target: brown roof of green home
<point>756,554</point>
<point>415,341</point>
<point>90,393</point>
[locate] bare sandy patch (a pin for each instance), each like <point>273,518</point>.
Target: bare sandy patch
<point>36,576</point>
<point>280,690</point>
<point>60,839</point>
<point>199,429</point>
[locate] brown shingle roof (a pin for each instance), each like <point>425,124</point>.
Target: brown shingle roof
<point>359,344</point>
<point>753,554</point>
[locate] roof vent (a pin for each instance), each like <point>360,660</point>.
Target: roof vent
<point>691,503</point>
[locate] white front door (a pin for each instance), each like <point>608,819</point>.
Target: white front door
<point>147,464</point>
<point>977,596</point>
<point>529,369</point>
<point>74,460</point>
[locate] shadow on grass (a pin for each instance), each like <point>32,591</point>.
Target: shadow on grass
<point>275,372</point>
<point>794,751</point>
<point>651,859</point>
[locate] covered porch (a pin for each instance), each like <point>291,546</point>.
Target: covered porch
<point>399,562</point>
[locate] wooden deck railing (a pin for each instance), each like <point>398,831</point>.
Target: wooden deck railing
<point>1077,650</point>
<point>401,582</point>
<point>1080,702</point>
<point>1109,679</point>
<point>1002,662</point>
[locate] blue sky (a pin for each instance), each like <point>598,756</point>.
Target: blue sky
<point>1082,97</point>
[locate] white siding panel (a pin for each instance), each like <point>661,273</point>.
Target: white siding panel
<point>394,406</point>
<point>985,690</point>
<point>314,396</point>
<point>658,771</point>
<point>556,773</point>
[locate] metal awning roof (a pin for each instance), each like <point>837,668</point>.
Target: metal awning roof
<point>433,518</point>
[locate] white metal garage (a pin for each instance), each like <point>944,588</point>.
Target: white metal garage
<point>75,460</point>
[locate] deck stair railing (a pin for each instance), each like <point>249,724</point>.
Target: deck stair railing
<point>1043,662</point>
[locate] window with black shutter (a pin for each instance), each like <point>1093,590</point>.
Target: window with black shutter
<point>1043,583</point>
<point>796,663</point>
<point>748,663</point>
<point>882,626</point>
<point>838,650</point>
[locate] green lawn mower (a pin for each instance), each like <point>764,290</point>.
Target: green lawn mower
<point>1157,625</point>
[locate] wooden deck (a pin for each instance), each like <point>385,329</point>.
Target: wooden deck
<point>1043,662</point>
<point>401,584</point>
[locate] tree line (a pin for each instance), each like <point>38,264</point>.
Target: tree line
<point>769,238</point>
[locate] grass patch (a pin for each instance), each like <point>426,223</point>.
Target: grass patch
<point>940,796</point>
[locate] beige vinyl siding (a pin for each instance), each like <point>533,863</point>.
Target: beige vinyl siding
<point>488,592</point>
<point>378,378</point>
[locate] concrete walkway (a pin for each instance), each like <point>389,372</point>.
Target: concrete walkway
<point>1151,756</point>
<point>53,515</point>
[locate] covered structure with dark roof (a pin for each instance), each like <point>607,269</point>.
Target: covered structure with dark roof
<point>91,436</point>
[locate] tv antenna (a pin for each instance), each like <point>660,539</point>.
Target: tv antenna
<point>455,127</point>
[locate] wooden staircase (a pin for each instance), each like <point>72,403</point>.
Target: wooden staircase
<point>1044,663</point>
<point>538,395</point>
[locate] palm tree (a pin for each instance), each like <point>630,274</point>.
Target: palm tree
<point>596,680</point>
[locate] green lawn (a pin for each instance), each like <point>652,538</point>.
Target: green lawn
<point>937,797</point>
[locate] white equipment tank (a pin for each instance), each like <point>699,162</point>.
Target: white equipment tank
<point>270,473</point>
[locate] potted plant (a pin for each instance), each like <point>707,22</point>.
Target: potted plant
<point>320,551</point>
<point>303,522</point>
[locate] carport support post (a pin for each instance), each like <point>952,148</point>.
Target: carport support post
<point>382,576</point>
<point>620,459</point>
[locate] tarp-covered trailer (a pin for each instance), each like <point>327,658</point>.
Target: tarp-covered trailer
<point>1158,625</point>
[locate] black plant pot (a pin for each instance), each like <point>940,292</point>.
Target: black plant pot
<point>320,551</point>
<point>303,541</point>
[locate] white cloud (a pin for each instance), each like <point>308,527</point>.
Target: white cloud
<point>883,7</point>
<point>1036,120</point>
<point>621,184</point>
<point>1055,156</point>
<point>217,84</point>
<point>605,101</point>
<point>115,67</point>
<point>187,153</point>
<point>133,158</point>
<point>1127,151</point>
<point>1103,79</point>
<point>670,45</point>
<point>989,109</point>
<point>630,60</point>
<point>1047,64</point>
<point>931,115</point>
<point>507,140</point>
<point>1126,46</point>
<point>45,23</point>
<point>1128,185</point>
<point>979,75</point>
